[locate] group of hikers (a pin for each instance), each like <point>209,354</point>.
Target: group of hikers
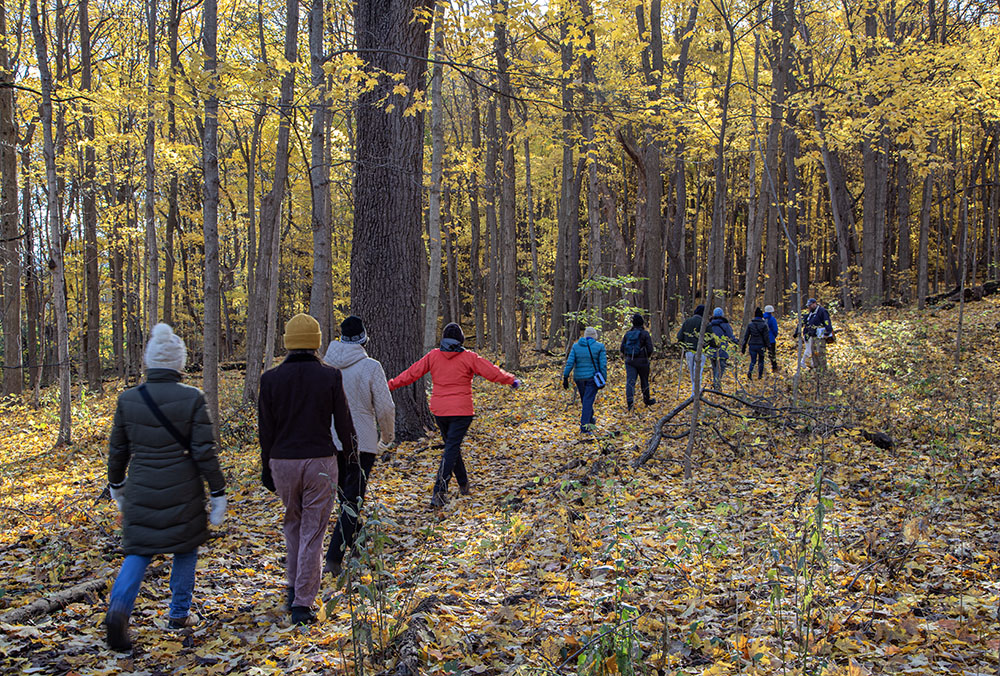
<point>322,423</point>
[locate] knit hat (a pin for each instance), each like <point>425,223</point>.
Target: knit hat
<point>453,331</point>
<point>302,333</point>
<point>590,332</point>
<point>769,308</point>
<point>165,350</point>
<point>637,320</point>
<point>717,312</point>
<point>700,310</point>
<point>758,313</point>
<point>352,330</point>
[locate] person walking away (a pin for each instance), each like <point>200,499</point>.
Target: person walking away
<point>637,347</point>
<point>818,329</point>
<point>452,369</point>
<point>722,337</point>
<point>373,415</point>
<point>756,337</point>
<point>298,399</point>
<point>687,336</point>
<point>588,362</point>
<point>772,337</point>
<point>161,452</point>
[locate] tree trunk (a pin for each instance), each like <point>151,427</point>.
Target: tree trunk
<point>319,181</point>
<point>474,264</point>
<point>755,211</point>
<point>55,230</point>
<point>589,78</point>
<point>567,270</point>
<point>152,252</point>
<point>903,215</point>
<point>258,317</point>
<point>386,248</point>
<point>433,298</point>
<point>10,247</point>
<point>492,149</point>
<point>536,294</point>
<point>210,215</point>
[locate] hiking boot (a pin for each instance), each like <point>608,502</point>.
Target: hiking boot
<point>650,401</point>
<point>464,489</point>
<point>116,626</point>
<point>289,597</point>
<point>438,500</point>
<point>302,615</point>
<point>334,568</point>
<point>176,623</point>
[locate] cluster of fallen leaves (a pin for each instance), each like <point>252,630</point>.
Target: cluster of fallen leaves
<point>790,551</point>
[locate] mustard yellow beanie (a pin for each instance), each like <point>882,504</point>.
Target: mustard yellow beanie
<point>302,333</point>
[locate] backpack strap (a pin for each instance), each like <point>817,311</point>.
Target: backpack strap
<point>167,425</point>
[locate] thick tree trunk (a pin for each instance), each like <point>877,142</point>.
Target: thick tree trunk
<point>210,214</point>
<point>536,294</point>
<point>93,330</point>
<point>386,249</point>
<point>55,230</point>
<point>567,270</point>
<point>319,181</point>
<point>258,317</point>
<point>10,246</point>
<point>589,78</point>
<point>433,298</point>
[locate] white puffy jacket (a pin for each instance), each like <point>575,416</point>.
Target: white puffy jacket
<point>367,394</point>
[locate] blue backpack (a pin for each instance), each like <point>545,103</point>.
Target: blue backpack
<point>633,344</point>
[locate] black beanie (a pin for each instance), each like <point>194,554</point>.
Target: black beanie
<point>453,331</point>
<point>758,313</point>
<point>352,330</point>
<point>700,310</point>
<point>637,320</point>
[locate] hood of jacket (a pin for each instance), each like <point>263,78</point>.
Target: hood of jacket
<point>341,355</point>
<point>451,347</point>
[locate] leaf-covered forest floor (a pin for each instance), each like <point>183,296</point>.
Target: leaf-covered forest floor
<point>798,546</point>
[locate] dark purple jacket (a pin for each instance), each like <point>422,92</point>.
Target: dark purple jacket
<point>298,398</point>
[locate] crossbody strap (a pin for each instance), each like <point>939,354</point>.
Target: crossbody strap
<point>167,425</point>
<point>592,358</point>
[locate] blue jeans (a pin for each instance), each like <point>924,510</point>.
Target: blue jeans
<point>588,393</point>
<point>126,587</point>
<point>756,359</point>
<point>453,429</point>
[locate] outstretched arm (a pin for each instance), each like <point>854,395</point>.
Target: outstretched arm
<point>412,374</point>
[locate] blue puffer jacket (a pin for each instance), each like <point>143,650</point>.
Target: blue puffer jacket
<point>580,363</point>
<point>772,326</point>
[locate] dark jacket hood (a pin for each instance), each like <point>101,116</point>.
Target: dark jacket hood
<point>451,345</point>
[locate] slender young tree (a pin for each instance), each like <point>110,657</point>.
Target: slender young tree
<point>149,199</point>
<point>433,297</point>
<point>210,213</point>
<point>319,178</point>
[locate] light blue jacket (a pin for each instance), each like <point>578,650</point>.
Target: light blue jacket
<point>580,363</point>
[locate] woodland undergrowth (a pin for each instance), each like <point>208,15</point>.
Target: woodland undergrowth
<point>799,547</point>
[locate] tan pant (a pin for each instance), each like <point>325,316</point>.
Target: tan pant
<point>307,488</point>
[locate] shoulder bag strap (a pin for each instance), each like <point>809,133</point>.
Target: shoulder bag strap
<point>167,425</point>
<point>592,359</point>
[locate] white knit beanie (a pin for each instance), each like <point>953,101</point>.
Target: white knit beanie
<point>590,332</point>
<point>165,350</point>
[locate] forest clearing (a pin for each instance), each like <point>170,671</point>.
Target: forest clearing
<point>797,547</point>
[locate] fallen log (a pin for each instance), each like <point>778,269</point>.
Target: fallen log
<point>654,441</point>
<point>57,601</point>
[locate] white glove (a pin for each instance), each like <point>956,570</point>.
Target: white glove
<point>118,495</point>
<point>217,510</point>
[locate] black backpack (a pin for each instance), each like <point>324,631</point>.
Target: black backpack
<point>633,344</point>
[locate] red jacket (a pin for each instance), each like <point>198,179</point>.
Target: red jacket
<point>451,376</point>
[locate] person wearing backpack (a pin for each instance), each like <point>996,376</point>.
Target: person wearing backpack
<point>719,336</point>
<point>586,361</point>
<point>636,348</point>
<point>755,336</point>
<point>772,337</point>
<point>158,480</point>
<point>818,329</point>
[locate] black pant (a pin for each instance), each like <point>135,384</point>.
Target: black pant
<point>633,370</point>
<point>453,429</point>
<point>772,353</point>
<point>352,484</point>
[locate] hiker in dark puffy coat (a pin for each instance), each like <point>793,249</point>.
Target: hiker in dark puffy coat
<point>637,347</point>
<point>687,336</point>
<point>772,338</point>
<point>298,399</point>
<point>586,358</point>
<point>157,481</point>
<point>756,337</point>
<point>720,338</point>
<point>452,370</point>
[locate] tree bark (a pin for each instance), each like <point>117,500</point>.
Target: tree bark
<point>152,251</point>
<point>433,297</point>
<point>386,248</point>
<point>319,181</point>
<point>10,248</point>
<point>492,276</point>
<point>210,215</point>
<point>475,268</point>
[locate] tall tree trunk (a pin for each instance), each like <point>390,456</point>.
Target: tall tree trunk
<point>152,251</point>
<point>905,262</point>
<point>474,263</point>
<point>507,225</point>
<point>492,190</point>
<point>270,219</point>
<point>93,331</point>
<point>755,211</point>
<point>10,246</point>
<point>55,230</point>
<point>319,180</point>
<point>30,271</point>
<point>567,269</point>
<point>536,294</point>
<point>589,78</point>
<point>173,205</point>
<point>433,302</point>
<point>210,215</point>
<point>386,248</point>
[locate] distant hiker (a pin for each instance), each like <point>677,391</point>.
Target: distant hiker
<point>772,337</point>
<point>756,337</point>
<point>452,369</point>
<point>688,337</point>
<point>298,399</point>
<point>817,329</point>
<point>374,416</point>
<point>637,347</point>
<point>162,435</point>
<point>588,362</point>
<point>722,337</point>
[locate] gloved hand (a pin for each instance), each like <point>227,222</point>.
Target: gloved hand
<point>268,480</point>
<point>565,382</point>
<point>516,384</point>
<point>217,509</point>
<point>118,495</point>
